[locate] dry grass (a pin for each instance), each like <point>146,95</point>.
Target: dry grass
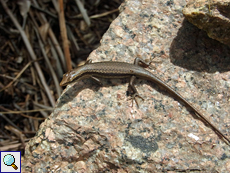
<point>38,43</point>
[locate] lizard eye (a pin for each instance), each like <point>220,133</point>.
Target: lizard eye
<point>72,75</point>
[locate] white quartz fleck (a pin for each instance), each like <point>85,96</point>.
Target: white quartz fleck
<point>193,136</point>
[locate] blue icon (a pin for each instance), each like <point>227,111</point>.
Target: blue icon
<point>9,160</point>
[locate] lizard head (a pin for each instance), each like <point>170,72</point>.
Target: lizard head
<point>71,76</point>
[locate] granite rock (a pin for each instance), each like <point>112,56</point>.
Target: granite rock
<point>95,129</point>
<point>210,16</point>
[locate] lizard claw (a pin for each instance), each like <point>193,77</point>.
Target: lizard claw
<point>134,97</point>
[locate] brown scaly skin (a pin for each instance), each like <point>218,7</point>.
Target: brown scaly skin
<point>111,69</point>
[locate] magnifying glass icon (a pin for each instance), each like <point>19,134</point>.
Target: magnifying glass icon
<point>9,160</point>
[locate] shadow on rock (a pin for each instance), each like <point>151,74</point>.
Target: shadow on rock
<point>194,50</point>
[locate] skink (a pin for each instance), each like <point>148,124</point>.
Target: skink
<point>111,69</point>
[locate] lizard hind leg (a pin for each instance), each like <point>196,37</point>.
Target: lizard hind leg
<point>142,63</point>
<point>134,91</point>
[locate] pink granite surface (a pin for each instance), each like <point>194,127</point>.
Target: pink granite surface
<point>95,129</point>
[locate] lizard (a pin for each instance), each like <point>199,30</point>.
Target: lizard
<point>113,69</point>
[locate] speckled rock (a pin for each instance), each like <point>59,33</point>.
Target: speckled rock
<point>95,129</point>
<point>211,16</point>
